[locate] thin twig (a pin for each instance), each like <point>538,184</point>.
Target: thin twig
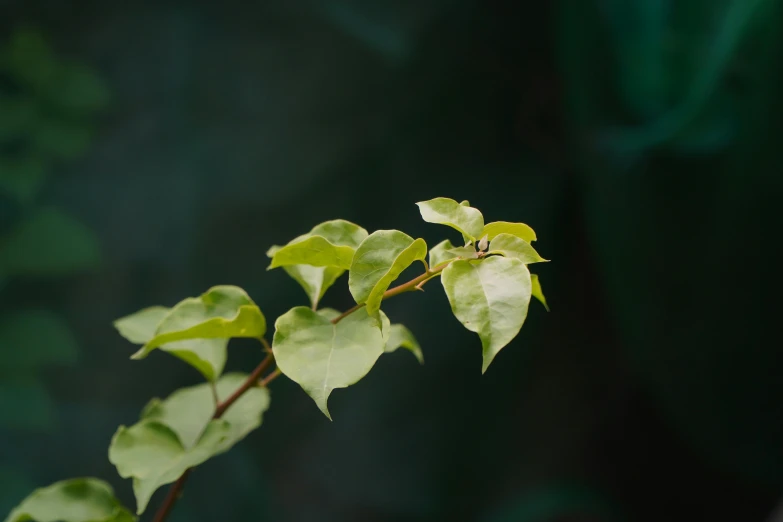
<point>254,379</point>
<point>269,378</point>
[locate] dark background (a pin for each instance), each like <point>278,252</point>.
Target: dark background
<point>179,140</point>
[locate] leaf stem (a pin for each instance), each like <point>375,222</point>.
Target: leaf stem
<point>254,379</point>
<point>221,407</point>
<point>411,286</point>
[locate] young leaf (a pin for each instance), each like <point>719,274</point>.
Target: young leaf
<point>445,211</point>
<point>188,410</point>
<point>197,328</point>
<point>315,280</point>
<point>151,453</point>
<point>512,246</point>
<point>329,313</point>
<point>520,230</point>
<point>489,297</point>
<point>331,243</point>
<point>441,253</point>
<point>466,252</point>
<point>537,292</point>
<point>401,337</point>
<point>140,327</point>
<point>379,260</point>
<point>321,356</point>
<point>74,500</point>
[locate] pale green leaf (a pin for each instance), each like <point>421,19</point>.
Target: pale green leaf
<point>151,453</point>
<point>74,500</point>
<point>188,410</point>
<point>401,337</point>
<point>49,242</point>
<point>197,329</point>
<point>32,338</point>
<point>379,260</point>
<point>314,280</point>
<point>331,244</point>
<point>512,246</point>
<point>340,232</point>
<point>321,356</point>
<point>466,252</point>
<point>329,313</point>
<point>537,292</point>
<point>489,297</point>
<point>141,326</point>
<point>441,253</point>
<point>445,211</point>
<point>520,230</point>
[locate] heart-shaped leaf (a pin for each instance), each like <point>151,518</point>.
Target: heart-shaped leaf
<point>512,246</point>
<point>315,280</point>
<point>188,410</point>
<point>331,243</point>
<point>445,211</point>
<point>140,327</point>
<point>520,230</point>
<point>537,292</point>
<point>441,253</point>
<point>401,337</point>
<point>179,432</point>
<point>465,252</point>
<point>489,297</point>
<point>151,453</point>
<point>379,260</point>
<point>74,500</point>
<point>321,356</point>
<point>197,329</point>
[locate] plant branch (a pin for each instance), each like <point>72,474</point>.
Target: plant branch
<point>411,286</point>
<point>171,497</point>
<point>254,379</point>
<point>221,407</point>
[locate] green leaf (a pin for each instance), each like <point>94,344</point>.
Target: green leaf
<point>441,253</point>
<point>141,326</point>
<point>445,211</point>
<point>179,432</point>
<point>520,230</point>
<point>29,59</point>
<point>321,356</point>
<point>48,243</point>
<point>331,243</point>
<point>466,252</point>
<point>22,178</point>
<point>188,410</point>
<point>152,454</point>
<point>197,328</point>
<point>74,500</point>
<point>329,313</point>
<point>537,292</point>
<point>401,337</point>
<point>34,337</point>
<point>379,260</point>
<point>315,280</point>
<point>512,246</point>
<point>489,297</point>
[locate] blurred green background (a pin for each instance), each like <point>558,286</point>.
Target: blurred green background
<point>149,150</point>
